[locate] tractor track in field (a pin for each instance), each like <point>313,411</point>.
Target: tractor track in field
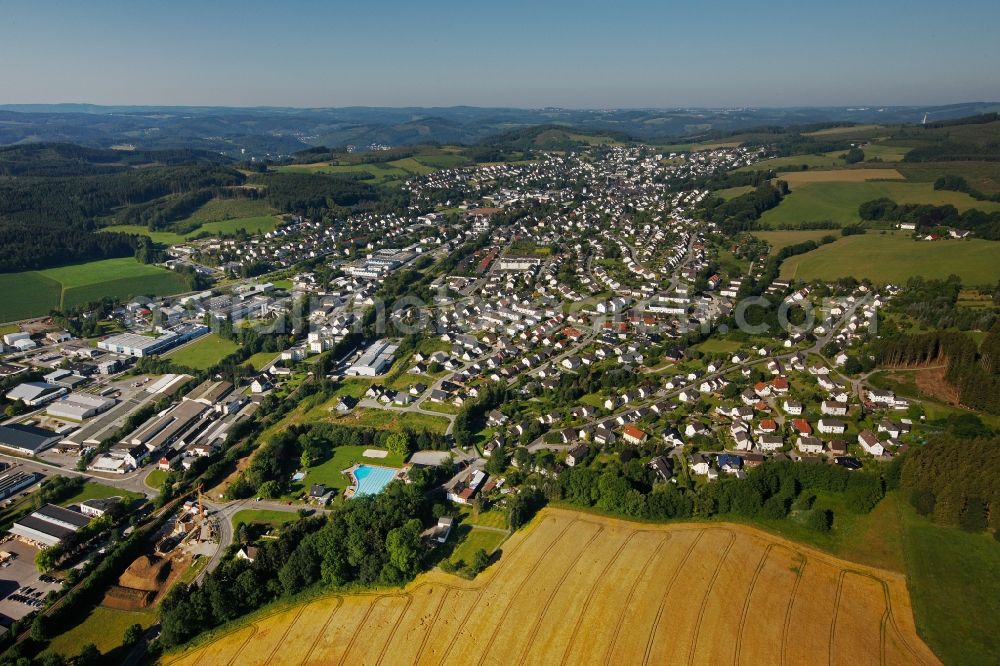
<point>705,598</point>
<point>593,590</point>
<point>553,593</point>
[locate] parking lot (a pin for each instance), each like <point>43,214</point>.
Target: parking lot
<point>21,587</point>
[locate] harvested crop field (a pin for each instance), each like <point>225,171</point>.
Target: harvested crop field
<point>576,588</point>
<point>840,176</point>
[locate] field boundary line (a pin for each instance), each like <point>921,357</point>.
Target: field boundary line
<point>704,599</point>
<point>803,561</point>
<point>558,538</point>
<point>554,592</point>
<point>895,627</point>
<point>253,633</point>
<point>746,602</point>
<point>322,631</point>
<point>524,581</point>
<point>395,628</point>
<point>663,597</point>
<point>631,593</point>
<point>593,590</point>
<point>430,625</point>
<point>889,619</point>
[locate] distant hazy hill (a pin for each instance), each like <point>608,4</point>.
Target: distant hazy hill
<point>272,131</point>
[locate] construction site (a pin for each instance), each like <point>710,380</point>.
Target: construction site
<point>177,553</point>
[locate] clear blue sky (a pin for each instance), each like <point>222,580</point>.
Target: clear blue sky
<point>612,53</point>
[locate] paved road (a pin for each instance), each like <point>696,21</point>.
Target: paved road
<point>133,482</point>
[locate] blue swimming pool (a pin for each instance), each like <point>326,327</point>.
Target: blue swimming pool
<point>371,480</point>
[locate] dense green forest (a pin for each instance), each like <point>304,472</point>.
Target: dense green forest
<point>316,195</point>
<point>934,303</point>
<point>974,371</point>
<point>928,217</point>
<point>50,203</point>
<point>955,482</point>
<point>67,159</point>
<point>53,197</point>
<point>741,213</point>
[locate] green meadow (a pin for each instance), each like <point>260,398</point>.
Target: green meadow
<point>216,217</point>
<point>204,352</point>
<point>895,257</point>
<point>35,293</point>
<point>780,239</point>
<point>838,202</point>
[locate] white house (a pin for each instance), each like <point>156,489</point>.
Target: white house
<point>832,426</point>
<point>833,408</point>
<point>807,444</point>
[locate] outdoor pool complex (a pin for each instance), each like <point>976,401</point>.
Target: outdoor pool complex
<point>371,480</point>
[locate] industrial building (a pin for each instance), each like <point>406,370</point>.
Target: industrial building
<point>11,484</point>
<point>168,428</point>
<point>35,394</point>
<point>80,406</point>
<point>140,346</point>
<point>210,392</point>
<point>375,360</point>
<point>29,440</point>
<point>49,525</point>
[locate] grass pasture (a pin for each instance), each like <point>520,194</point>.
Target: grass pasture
<point>780,239</point>
<point>216,217</point>
<point>92,490</point>
<point>104,627</point>
<point>849,131</point>
<point>34,293</point>
<point>576,588</point>
<point>204,352</point>
<point>216,210</point>
<point>382,173</point>
<point>983,176</point>
<point>156,478</point>
<point>381,419</point>
<point>27,294</point>
<point>884,152</point>
<point>474,540</point>
<point>263,516</point>
<point>895,257</point>
<point>329,471</point>
<point>161,237</point>
<point>957,608</point>
<point>839,201</point>
<point>733,192</point>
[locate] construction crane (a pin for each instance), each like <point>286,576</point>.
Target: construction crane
<point>201,506</point>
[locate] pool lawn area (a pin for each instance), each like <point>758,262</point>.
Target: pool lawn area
<point>330,472</point>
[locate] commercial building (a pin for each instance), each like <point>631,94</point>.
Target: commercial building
<point>29,440</point>
<point>140,346</point>
<point>35,394</point>
<point>210,392</point>
<point>11,484</point>
<point>80,406</point>
<point>375,360</point>
<point>168,428</point>
<point>49,525</point>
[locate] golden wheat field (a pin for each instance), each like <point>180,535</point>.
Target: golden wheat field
<point>840,176</point>
<point>574,588</point>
